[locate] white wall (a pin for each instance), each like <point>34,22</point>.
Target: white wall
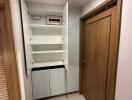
<point>25,91</point>
<point>91,4</point>
<point>73,73</point>
<point>124,75</point>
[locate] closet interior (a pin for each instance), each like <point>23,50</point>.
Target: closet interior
<point>46,47</point>
<point>49,35</point>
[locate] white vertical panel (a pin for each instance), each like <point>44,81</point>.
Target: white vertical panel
<point>16,26</point>
<point>40,80</point>
<point>57,81</point>
<point>65,34</point>
<point>72,79</point>
<point>124,72</point>
<point>73,50</point>
<point>27,35</point>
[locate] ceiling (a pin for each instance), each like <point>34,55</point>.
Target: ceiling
<point>75,3</point>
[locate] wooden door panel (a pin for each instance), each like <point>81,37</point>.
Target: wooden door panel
<point>96,57</point>
<point>3,79</point>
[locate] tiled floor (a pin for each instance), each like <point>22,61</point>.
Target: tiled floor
<point>75,96</point>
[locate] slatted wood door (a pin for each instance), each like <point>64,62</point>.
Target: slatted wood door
<point>3,80</point>
<point>3,76</point>
<point>9,89</point>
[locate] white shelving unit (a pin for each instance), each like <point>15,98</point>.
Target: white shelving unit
<point>45,64</point>
<point>49,48</point>
<point>55,27</point>
<point>47,45</point>
<point>50,51</point>
<point>46,39</point>
<point>44,35</point>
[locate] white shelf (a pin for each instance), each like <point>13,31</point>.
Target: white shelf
<point>46,12</point>
<point>55,27</point>
<point>39,40</point>
<point>46,64</point>
<point>50,51</point>
<point>48,43</point>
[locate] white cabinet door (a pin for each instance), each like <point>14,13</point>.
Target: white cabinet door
<point>41,85</point>
<point>57,81</point>
<point>72,79</point>
<point>27,34</point>
<point>65,34</point>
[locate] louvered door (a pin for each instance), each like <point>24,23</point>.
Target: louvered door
<point>9,89</point>
<point>3,80</point>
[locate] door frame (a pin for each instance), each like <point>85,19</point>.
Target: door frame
<point>11,66</point>
<point>101,7</point>
<point>116,5</point>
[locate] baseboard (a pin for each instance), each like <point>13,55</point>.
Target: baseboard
<point>65,94</point>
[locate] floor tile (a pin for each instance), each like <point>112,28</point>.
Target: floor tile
<point>75,96</point>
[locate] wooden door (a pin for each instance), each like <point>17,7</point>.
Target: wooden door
<point>8,73</point>
<point>99,43</point>
<point>96,51</point>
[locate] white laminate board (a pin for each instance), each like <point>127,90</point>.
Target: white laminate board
<point>27,34</point>
<point>46,64</point>
<point>65,35</point>
<point>50,57</point>
<point>36,40</point>
<point>57,81</point>
<point>41,85</point>
<point>46,47</point>
<point>54,27</point>
<point>45,52</point>
<point>45,32</point>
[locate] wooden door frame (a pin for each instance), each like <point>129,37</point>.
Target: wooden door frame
<point>11,70</point>
<point>117,7</point>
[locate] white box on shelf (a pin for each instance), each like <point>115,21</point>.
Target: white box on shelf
<point>54,20</point>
